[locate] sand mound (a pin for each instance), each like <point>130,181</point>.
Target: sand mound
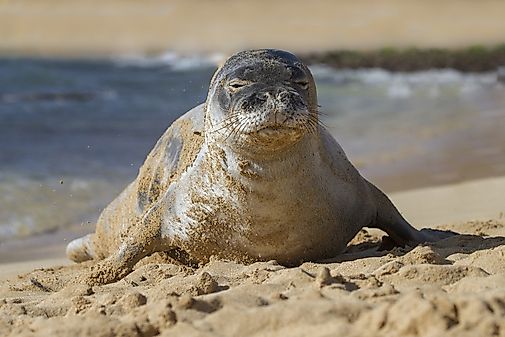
<point>455,287</point>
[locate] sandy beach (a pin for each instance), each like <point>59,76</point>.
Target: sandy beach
<point>455,287</point>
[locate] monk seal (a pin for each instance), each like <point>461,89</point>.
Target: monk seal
<point>249,175</point>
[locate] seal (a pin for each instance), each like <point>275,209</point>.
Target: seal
<point>249,175</point>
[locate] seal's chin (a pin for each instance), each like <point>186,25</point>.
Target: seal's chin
<point>273,138</point>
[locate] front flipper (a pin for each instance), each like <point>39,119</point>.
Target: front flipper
<point>140,240</point>
<point>432,235</point>
<point>117,265</point>
<point>401,232</point>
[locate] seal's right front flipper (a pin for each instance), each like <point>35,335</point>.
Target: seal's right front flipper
<point>115,266</point>
<point>139,240</point>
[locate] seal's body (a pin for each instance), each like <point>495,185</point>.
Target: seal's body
<point>250,175</point>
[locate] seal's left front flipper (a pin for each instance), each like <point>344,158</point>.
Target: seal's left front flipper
<point>432,235</point>
<point>401,232</point>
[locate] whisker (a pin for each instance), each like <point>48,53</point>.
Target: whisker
<point>229,117</point>
<point>312,125</point>
<point>321,123</point>
<point>318,121</point>
<point>319,112</point>
<point>237,125</point>
<point>225,123</point>
<point>307,127</point>
<point>244,124</point>
<point>235,129</point>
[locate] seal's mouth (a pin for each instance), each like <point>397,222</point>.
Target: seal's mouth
<point>265,130</point>
<point>274,136</point>
<point>274,129</point>
<point>266,125</point>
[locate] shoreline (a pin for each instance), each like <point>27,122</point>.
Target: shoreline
<point>468,59</point>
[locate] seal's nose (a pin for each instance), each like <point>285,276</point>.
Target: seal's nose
<point>273,93</point>
<point>283,95</point>
<point>264,96</point>
<point>275,101</point>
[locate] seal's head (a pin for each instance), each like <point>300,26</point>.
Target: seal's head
<point>265,98</point>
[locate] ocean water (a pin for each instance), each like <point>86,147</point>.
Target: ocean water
<point>73,133</point>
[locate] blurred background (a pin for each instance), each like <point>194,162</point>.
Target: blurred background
<point>413,90</point>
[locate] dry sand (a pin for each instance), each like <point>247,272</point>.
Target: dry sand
<point>455,287</point>
<point>101,27</point>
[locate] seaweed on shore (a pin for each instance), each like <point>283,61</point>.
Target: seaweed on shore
<point>471,59</point>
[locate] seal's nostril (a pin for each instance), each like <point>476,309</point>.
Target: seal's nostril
<point>283,95</point>
<point>262,96</point>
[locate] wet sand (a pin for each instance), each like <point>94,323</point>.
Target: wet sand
<point>79,28</point>
<point>455,287</point>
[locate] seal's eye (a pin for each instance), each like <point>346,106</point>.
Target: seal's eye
<point>237,84</point>
<point>302,84</point>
